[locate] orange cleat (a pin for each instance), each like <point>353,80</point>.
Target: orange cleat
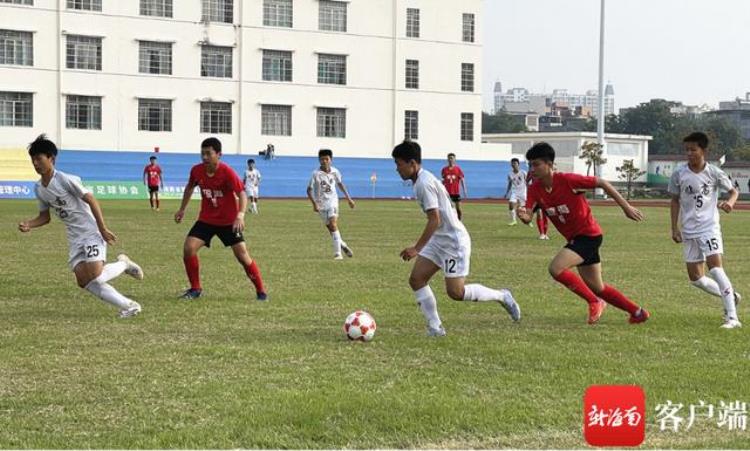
<point>635,319</point>
<point>596,310</point>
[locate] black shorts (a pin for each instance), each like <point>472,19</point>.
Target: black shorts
<point>587,247</point>
<point>205,232</point>
<point>153,189</point>
<point>456,197</point>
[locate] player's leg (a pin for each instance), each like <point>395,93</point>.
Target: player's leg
<point>728,295</point>
<point>89,277</point>
<point>156,197</point>
<point>512,212</point>
<point>254,204</point>
<point>151,197</point>
<point>333,229</point>
<point>559,269</point>
<point>541,225</point>
<point>458,290</point>
<point>419,280</point>
<point>459,213</point>
<point>592,276</point>
<point>251,269</point>
<point>192,265</point>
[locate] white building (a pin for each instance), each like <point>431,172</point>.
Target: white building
<point>354,75</point>
<point>520,100</point>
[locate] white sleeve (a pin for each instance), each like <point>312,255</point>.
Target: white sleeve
<point>427,196</point>
<point>43,206</point>
<point>259,177</point>
<point>73,185</point>
<point>722,180</point>
<point>338,176</point>
<point>311,184</point>
<point>674,184</point>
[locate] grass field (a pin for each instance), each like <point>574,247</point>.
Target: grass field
<point>226,371</point>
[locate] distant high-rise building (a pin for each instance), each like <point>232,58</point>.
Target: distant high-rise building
<point>520,100</point>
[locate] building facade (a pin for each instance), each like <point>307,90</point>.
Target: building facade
<point>356,76</point>
<point>520,100</point>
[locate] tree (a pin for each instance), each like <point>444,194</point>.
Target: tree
<point>502,122</point>
<point>591,153</point>
<point>628,172</point>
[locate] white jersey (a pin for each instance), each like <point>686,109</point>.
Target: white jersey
<point>431,194</point>
<point>252,178</point>
<point>323,185</point>
<point>64,195</point>
<point>517,182</point>
<point>699,195</point>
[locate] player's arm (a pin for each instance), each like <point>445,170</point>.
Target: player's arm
<point>728,205</point>
<point>433,223</point>
<point>507,189</point>
<point>185,201</point>
<point>96,210</point>
<point>239,221</point>
<point>630,211</point>
<point>346,193</point>
<point>463,185</point>
<point>674,215</point>
<point>42,219</point>
<point>312,201</point>
<point>145,176</point>
<point>161,179</point>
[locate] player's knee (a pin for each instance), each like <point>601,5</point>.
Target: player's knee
<point>455,293</point>
<point>416,283</point>
<point>554,271</point>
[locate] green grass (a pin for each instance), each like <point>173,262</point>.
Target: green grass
<point>226,371</point>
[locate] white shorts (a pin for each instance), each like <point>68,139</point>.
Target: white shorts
<point>92,249</point>
<point>452,256</point>
<point>252,191</point>
<point>327,214</point>
<point>697,249</point>
<point>517,198</point>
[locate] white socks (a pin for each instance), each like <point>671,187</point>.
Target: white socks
<point>708,285</point>
<point>512,214</point>
<point>254,207</point>
<point>428,304</point>
<point>727,292</point>
<point>479,293</point>
<point>106,292</point>
<point>112,270</point>
<point>337,242</point>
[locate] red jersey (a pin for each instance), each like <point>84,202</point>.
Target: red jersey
<point>219,205</point>
<point>153,173</point>
<point>568,210</point>
<point>452,179</point>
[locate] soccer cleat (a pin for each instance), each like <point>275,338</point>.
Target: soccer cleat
<point>438,332</point>
<point>639,318</point>
<point>130,312</point>
<point>511,306</point>
<point>731,324</point>
<point>512,223</point>
<point>530,224</point>
<point>132,269</point>
<point>737,299</point>
<point>546,237</point>
<point>338,257</point>
<point>191,294</point>
<point>595,311</point>
<point>261,296</point>
<point>347,250</point>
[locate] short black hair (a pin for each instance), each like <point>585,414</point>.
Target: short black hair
<point>213,143</point>
<point>42,146</point>
<point>541,151</point>
<point>452,155</point>
<point>699,138</point>
<point>250,160</point>
<point>152,157</point>
<point>407,151</point>
<point>515,160</point>
<point>325,153</point>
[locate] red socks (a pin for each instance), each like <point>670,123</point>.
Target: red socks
<point>575,284</point>
<point>541,223</point>
<point>614,297</point>
<point>192,268</point>
<point>253,273</point>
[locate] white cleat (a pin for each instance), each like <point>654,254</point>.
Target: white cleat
<point>347,250</point>
<point>130,312</point>
<point>338,257</point>
<point>438,332</point>
<point>737,300</point>
<point>133,270</point>
<point>511,306</point>
<point>731,324</point>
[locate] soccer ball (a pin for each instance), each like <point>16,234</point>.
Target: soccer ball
<point>360,326</point>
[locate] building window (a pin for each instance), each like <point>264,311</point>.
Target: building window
<point>467,77</point>
<point>88,5</point>
<point>277,65</point>
<point>332,15</point>
<point>216,61</point>
<point>412,22</point>
<point>83,52</point>
<point>157,8</point>
<point>467,126</point>
<point>331,69</point>
<point>16,47</point>
<point>276,120</point>
<point>19,2</point>
<point>412,74</point>
<point>332,122</point>
<point>16,109</point>
<point>155,115</point>
<point>218,11</point>
<point>278,13</point>
<point>155,58</point>
<point>83,112</point>
<point>468,28</point>
<point>216,117</point>
<point>411,125</point>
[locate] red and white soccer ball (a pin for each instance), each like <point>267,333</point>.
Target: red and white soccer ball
<point>360,326</point>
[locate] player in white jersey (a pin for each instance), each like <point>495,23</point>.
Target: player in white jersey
<point>517,185</point>
<point>325,199</point>
<point>695,194</point>
<point>84,223</point>
<point>444,244</point>
<point>252,185</point>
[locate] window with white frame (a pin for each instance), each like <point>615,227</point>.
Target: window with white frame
<point>467,77</point>
<point>331,15</point>
<point>216,61</point>
<point>19,2</point>
<point>16,109</point>
<point>276,120</point>
<point>331,69</point>
<point>216,117</point>
<point>88,5</point>
<point>332,122</point>
<point>157,8</point>
<point>218,11</point>
<point>411,125</point>
<point>412,74</point>
<point>277,65</point>
<point>278,13</point>
<point>155,115</point>
<point>468,27</point>
<point>467,126</point>
<point>16,47</point>
<point>155,57</point>
<point>83,112</point>
<point>412,22</point>
<point>83,52</point>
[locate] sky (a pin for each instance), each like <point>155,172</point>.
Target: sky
<point>694,51</point>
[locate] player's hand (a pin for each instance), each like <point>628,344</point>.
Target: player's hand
<point>726,206</point>
<point>178,216</point>
<point>351,203</point>
<point>108,236</point>
<point>315,208</point>
<point>24,227</point>
<point>239,224</point>
<point>676,236</point>
<point>409,253</point>
<point>633,213</point>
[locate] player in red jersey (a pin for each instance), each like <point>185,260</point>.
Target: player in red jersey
<point>559,195</point>
<point>453,180</point>
<point>223,204</point>
<point>152,177</point>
